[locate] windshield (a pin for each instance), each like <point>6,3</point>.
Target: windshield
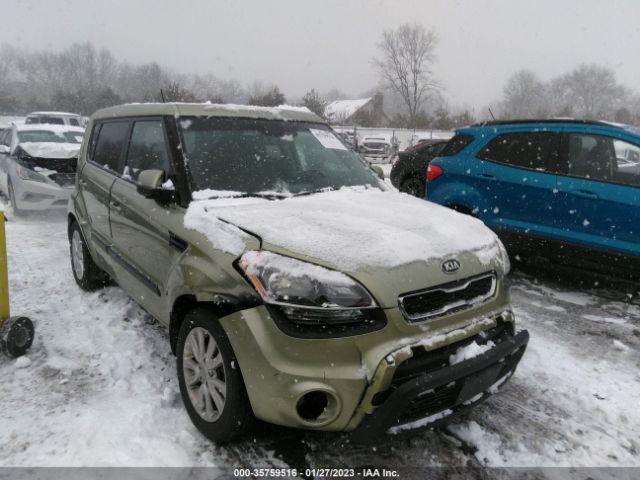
<point>73,137</point>
<point>253,156</point>
<point>37,136</point>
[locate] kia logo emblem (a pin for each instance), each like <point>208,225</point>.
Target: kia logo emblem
<point>451,266</point>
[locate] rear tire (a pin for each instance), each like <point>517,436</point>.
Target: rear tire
<point>413,185</point>
<point>211,383</point>
<point>87,274</point>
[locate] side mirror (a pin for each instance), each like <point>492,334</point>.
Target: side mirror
<point>4,149</point>
<point>378,170</point>
<point>150,185</point>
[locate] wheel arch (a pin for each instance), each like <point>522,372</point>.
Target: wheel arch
<point>220,306</point>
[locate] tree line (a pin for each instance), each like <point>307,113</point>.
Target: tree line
<point>589,92</point>
<point>83,78</point>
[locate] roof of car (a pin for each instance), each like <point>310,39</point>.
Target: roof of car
<point>66,114</point>
<point>541,123</point>
<point>282,112</point>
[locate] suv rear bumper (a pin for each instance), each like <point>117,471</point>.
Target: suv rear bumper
<point>446,393</point>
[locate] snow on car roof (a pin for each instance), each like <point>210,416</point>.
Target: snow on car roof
<point>178,109</point>
<point>339,110</point>
<point>66,114</point>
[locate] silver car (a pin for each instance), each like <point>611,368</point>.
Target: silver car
<point>38,165</point>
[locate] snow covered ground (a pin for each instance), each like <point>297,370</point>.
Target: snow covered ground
<point>99,386</point>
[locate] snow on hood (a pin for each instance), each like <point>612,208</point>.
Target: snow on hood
<point>51,149</point>
<point>350,228</point>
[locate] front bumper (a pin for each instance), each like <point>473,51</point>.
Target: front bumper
<point>40,196</point>
<point>437,397</point>
<point>279,370</point>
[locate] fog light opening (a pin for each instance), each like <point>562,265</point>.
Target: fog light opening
<point>312,405</point>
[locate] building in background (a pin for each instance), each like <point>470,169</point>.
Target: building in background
<point>362,112</point>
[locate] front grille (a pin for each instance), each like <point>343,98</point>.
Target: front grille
<point>448,298</point>
<point>430,403</point>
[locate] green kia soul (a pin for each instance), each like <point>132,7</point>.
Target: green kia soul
<point>296,287</point>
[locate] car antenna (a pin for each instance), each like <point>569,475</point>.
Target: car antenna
<point>162,96</point>
<point>491,113</point>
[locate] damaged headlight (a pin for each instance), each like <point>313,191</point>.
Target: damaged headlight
<point>306,293</point>
<point>28,174</point>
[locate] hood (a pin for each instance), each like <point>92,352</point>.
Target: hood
<point>392,242</point>
<point>51,149</point>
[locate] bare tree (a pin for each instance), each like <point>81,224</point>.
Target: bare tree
<point>524,96</point>
<point>594,91</point>
<point>407,54</point>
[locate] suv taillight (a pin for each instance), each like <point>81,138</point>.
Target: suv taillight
<point>433,172</point>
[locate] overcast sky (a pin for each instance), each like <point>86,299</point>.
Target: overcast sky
<point>299,44</point>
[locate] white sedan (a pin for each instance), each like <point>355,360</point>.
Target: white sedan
<point>38,165</point>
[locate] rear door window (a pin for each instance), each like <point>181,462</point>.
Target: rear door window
<point>147,149</point>
<point>602,158</point>
<point>109,145</point>
<point>530,150</point>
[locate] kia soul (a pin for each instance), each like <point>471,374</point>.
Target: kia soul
<point>295,286</point>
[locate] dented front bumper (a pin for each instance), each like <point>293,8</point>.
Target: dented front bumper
<point>356,373</point>
<point>432,398</point>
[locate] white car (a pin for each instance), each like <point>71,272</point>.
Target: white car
<point>56,118</point>
<point>378,148</point>
<point>38,165</point>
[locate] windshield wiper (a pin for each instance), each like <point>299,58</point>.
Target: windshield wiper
<point>265,195</point>
<point>312,192</point>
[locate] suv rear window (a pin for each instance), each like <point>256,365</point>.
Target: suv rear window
<point>111,140</point>
<point>454,146</point>
<point>532,150</point>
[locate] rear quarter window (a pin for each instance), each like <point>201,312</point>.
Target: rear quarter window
<point>454,146</point>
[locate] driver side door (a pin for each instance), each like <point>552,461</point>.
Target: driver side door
<point>141,238</point>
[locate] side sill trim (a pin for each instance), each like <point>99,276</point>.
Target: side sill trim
<point>142,278</point>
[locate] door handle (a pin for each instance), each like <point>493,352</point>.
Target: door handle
<point>487,176</point>
<point>584,194</point>
<point>115,206</point>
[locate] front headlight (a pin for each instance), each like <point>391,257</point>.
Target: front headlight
<point>28,174</point>
<point>307,293</point>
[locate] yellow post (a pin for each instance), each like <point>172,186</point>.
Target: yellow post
<point>16,334</point>
<point>4,274</point>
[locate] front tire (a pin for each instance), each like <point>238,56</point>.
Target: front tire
<point>210,381</point>
<point>87,274</point>
<point>413,185</point>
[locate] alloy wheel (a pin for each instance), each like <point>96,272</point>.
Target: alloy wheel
<point>204,374</point>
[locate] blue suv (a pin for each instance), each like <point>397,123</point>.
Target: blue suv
<point>561,189</point>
